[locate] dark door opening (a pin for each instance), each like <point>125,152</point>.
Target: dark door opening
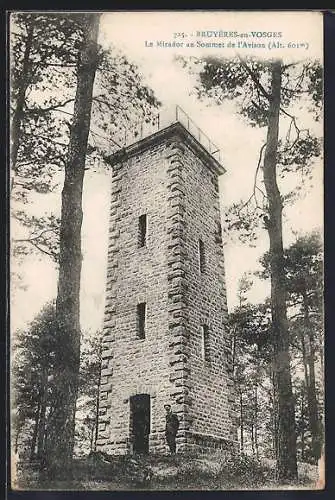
<point>140,422</point>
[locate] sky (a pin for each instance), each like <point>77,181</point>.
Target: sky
<point>239,143</point>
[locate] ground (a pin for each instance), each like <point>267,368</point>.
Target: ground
<point>209,471</point>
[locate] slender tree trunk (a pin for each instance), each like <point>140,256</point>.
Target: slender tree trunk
<point>241,422</point>
<point>96,424</point>
<point>256,421</point>
<point>21,89</point>
<point>234,342</point>
<point>92,444</point>
<point>42,420</point>
<point>302,429</point>
<point>314,424</point>
<point>304,358</point>
<point>17,435</point>
<point>321,354</point>
<point>287,460</point>
<point>274,418</point>
<point>252,439</point>
<point>35,432</point>
<point>61,428</point>
<point>16,442</point>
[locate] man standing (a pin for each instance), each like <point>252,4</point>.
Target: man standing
<point>171,428</point>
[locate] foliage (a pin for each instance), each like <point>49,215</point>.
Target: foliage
<point>250,325</point>
<point>246,82</point>
<point>89,387</point>
<point>44,56</point>
<point>303,264</point>
<point>263,92</point>
<point>33,352</point>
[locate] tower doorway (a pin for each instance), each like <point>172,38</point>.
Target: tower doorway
<point>140,422</point>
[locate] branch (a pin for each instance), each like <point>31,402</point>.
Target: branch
<point>37,111</point>
<point>32,238</point>
<point>253,194</point>
<point>40,163</point>
<point>65,112</point>
<point>47,139</point>
<point>297,129</point>
<point>109,105</point>
<point>37,247</point>
<point>292,64</point>
<point>257,169</point>
<point>61,65</point>
<point>295,91</point>
<point>254,78</point>
<point>293,118</point>
<point>108,139</point>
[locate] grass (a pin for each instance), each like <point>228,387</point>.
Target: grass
<point>208,471</point>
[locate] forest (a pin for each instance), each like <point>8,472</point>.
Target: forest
<point>71,101</point>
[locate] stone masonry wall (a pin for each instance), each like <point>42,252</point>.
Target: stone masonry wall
<point>132,365</point>
<point>204,389</point>
<point>211,395</point>
<point>179,194</point>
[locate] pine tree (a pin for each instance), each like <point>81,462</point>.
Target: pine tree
<point>33,353</point>
<point>34,128</point>
<point>44,53</point>
<point>261,95</point>
<point>60,438</point>
<point>303,272</point>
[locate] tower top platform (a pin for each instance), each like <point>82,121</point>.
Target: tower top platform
<point>144,136</point>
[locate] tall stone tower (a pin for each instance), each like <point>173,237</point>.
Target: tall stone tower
<point>165,334</point>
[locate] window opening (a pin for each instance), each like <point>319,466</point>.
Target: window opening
<point>201,256</point>
<point>142,230</point>
<point>141,316</point>
<point>205,343</point>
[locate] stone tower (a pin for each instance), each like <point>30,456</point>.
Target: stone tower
<point>165,337</point>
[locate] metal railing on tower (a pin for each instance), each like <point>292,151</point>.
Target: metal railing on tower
<point>144,128</point>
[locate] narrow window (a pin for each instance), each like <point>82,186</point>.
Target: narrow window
<point>205,343</point>
<point>218,235</point>
<point>142,230</point>
<point>141,312</point>
<point>201,256</point>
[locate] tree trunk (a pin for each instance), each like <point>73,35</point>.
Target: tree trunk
<point>92,444</point>
<point>256,421</point>
<point>61,428</point>
<point>241,422</point>
<point>287,460</point>
<point>96,423</point>
<point>234,342</point>
<point>274,417</point>
<point>19,427</point>
<point>252,439</point>
<point>313,418</point>
<point>21,88</point>
<point>43,409</point>
<point>16,441</point>
<point>302,429</point>
<point>304,358</point>
<point>35,432</point>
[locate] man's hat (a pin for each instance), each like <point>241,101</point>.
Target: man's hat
<point>167,405</point>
